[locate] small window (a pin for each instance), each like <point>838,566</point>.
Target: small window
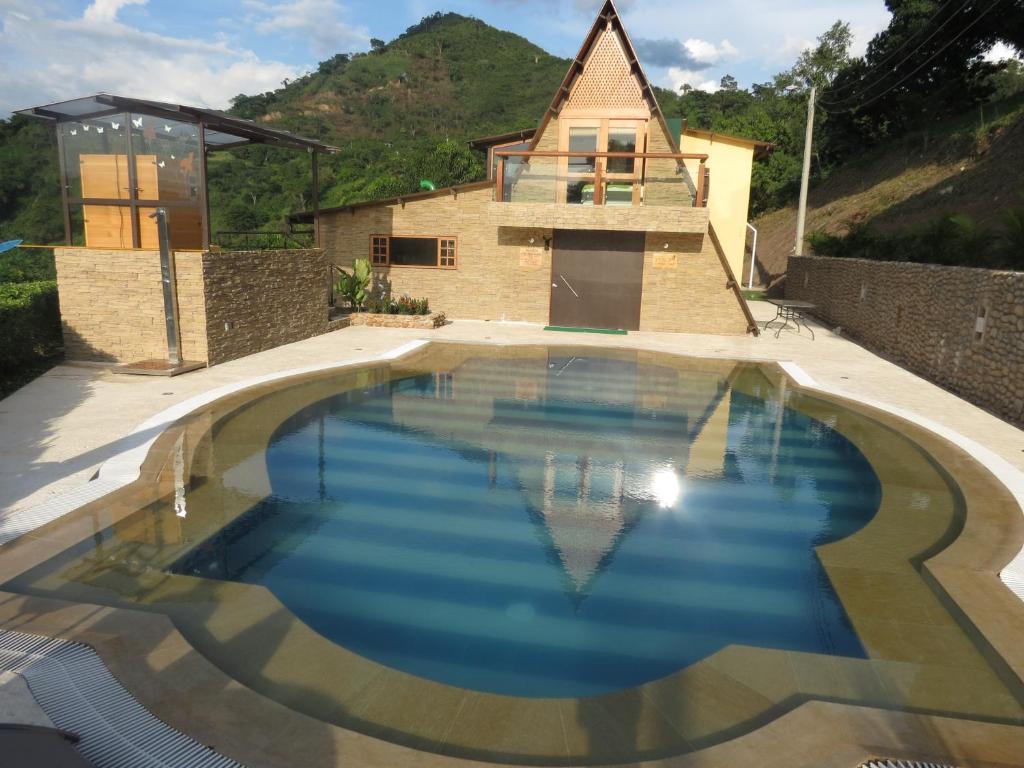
<point>378,250</point>
<point>413,251</point>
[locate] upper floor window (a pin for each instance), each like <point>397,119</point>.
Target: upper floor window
<point>606,180</point>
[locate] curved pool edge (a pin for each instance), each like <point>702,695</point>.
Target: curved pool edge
<point>1012,573</point>
<point>126,468</point>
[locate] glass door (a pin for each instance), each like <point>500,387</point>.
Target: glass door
<point>593,180</point>
<point>579,176</point>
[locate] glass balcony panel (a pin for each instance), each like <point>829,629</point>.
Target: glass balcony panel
<point>536,181</point>
<point>541,179</point>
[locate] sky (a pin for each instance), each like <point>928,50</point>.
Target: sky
<point>204,52</point>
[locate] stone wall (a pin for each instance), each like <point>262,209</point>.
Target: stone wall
<point>501,275</point>
<point>684,287</point>
<point>112,306</point>
<point>925,317</point>
<point>229,304</point>
<point>257,300</point>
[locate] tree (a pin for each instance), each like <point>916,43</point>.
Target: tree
<point>377,45</point>
<point>242,217</point>
<point>820,65</point>
<point>729,83</point>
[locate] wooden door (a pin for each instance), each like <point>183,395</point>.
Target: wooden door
<point>597,279</point>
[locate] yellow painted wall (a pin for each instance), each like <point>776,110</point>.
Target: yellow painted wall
<point>731,164</point>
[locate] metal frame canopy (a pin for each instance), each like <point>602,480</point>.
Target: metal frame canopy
<point>222,131</point>
<point>216,131</point>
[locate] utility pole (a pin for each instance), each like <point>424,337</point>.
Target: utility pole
<point>801,213</point>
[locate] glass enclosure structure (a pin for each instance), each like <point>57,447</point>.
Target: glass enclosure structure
<point>121,159</point>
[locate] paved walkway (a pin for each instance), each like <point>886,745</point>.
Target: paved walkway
<point>56,431</point>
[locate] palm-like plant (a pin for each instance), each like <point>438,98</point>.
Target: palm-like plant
<point>353,285</point>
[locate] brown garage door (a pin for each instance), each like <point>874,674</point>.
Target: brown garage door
<point>596,279</point>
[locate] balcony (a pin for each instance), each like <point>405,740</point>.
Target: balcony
<point>648,191</point>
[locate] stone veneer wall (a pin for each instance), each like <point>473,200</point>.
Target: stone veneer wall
<point>923,316</point>
<point>112,308</point>
<point>502,276</point>
<point>257,300</point>
<point>230,304</point>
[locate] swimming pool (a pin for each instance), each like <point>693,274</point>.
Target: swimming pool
<point>602,529</point>
<point>545,554</point>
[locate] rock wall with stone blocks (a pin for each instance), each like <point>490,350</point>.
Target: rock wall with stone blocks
<point>257,300</point>
<point>928,319</point>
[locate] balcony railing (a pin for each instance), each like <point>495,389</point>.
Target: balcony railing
<point>601,178</point>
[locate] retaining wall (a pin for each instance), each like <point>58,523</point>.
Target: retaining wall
<point>928,319</point>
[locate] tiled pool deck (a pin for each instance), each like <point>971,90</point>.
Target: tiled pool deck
<point>64,425</point>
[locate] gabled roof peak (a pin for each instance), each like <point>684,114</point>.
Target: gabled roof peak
<point>607,19</point>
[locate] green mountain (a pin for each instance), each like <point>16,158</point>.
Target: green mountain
<point>400,113</point>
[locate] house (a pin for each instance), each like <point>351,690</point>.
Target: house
<point>601,217</point>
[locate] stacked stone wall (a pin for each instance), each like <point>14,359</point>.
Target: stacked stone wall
<point>927,318</point>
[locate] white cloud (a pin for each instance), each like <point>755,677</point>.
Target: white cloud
<point>106,10</point>
<point>315,22</point>
<point>1001,52</point>
<point>50,59</point>
<point>697,80</point>
<point>709,53</point>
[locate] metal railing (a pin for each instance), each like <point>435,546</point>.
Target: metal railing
<point>601,178</point>
<point>236,240</point>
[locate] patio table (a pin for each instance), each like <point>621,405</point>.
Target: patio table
<point>790,310</point>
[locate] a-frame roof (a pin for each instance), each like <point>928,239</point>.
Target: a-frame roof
<point>607,17</point>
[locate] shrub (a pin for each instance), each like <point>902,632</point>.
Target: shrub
<point>948,240</point>
<point>30,319</point>
<point>405,305</point>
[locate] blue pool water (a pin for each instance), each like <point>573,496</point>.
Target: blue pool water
<point>553,525</point>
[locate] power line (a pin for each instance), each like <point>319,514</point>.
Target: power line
<point>894,53</point>
<point>920,45</point>
<point>914,71</point>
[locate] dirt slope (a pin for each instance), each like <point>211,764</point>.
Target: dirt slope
<point>962,166</point>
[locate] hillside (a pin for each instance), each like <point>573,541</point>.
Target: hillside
<point>400,113</point>
<point>960,167</point>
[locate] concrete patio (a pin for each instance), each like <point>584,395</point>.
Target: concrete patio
<point>61,427</point>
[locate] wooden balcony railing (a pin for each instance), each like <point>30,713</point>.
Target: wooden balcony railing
<point>656,178</point>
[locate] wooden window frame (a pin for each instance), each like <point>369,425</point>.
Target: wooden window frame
<point>438,264</point>
<point>603,122</point>
<point>385,253</point>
